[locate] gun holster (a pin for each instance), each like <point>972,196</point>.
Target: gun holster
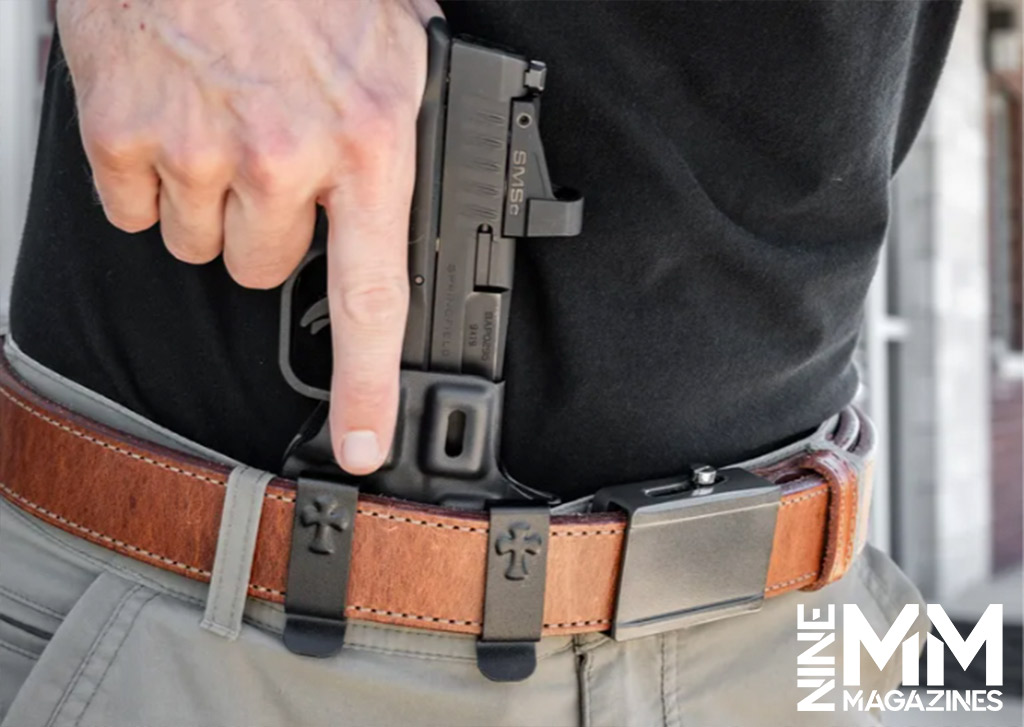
<point>481,183</point>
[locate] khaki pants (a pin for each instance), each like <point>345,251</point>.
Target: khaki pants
<point>91,638</point>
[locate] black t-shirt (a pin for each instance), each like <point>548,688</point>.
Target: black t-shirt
<point>736,161</point>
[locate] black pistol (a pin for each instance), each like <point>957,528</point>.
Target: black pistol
<point>481,183</point>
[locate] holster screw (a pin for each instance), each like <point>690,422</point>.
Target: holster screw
<point>704,475</point>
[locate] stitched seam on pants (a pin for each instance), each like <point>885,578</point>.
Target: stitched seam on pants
<point>109,567</point>
<point>69,688</point>
<point>669,689</point>
<point>423,655</point>
<point>26,601</point>
<point>19,651</point>
<point>584,679</point>
<point>101,536</point>
<point>664,681</point>
<point>127,573</point>
<point>113,657</point>
<point>101,565</point>
<point>434,656</point>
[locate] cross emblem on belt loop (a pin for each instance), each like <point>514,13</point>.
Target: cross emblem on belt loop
<point>519,542</point>
<point>325,513</point>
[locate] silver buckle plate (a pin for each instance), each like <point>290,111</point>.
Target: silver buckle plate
<point>693,553</point>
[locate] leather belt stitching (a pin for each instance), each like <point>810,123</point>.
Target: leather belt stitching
<point>838,549</point>
<point>801,498</point>
<point>263,589</point>
<point>362,609</point>
<point>95,533</point>
<point>270,496</point>
<point>843,544</point>
<point>285,499</point>
<point>791,581</point>
<point>108,445</point>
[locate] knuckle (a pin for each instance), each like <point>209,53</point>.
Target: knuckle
<point>198,166</point>
<point>371,136</point>
<point>273,168</point>
<point>365,391</point>
<point>376,304</point>
<point>114,149</point>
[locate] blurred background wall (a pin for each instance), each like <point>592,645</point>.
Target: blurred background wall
<point>25,28</point>
<point>941,353</point>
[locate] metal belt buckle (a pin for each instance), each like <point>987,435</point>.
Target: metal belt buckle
<point>697,549</point>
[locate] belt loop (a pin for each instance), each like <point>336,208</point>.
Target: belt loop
<point>236,544</point>
<point>841,531</point>
<point>517,556</point>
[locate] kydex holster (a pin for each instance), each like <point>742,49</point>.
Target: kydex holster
<point>481,183</point>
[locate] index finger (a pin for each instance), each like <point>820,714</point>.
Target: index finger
<point>368,295</point>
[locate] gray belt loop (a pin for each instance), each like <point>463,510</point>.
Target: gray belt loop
<point>236,543</point>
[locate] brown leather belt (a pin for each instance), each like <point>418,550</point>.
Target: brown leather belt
<point>412,564</point>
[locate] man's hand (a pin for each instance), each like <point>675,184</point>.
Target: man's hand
<point>228,120</point>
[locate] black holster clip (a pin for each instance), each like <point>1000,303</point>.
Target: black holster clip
<point>517,556</point>
<point>318,567</point>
